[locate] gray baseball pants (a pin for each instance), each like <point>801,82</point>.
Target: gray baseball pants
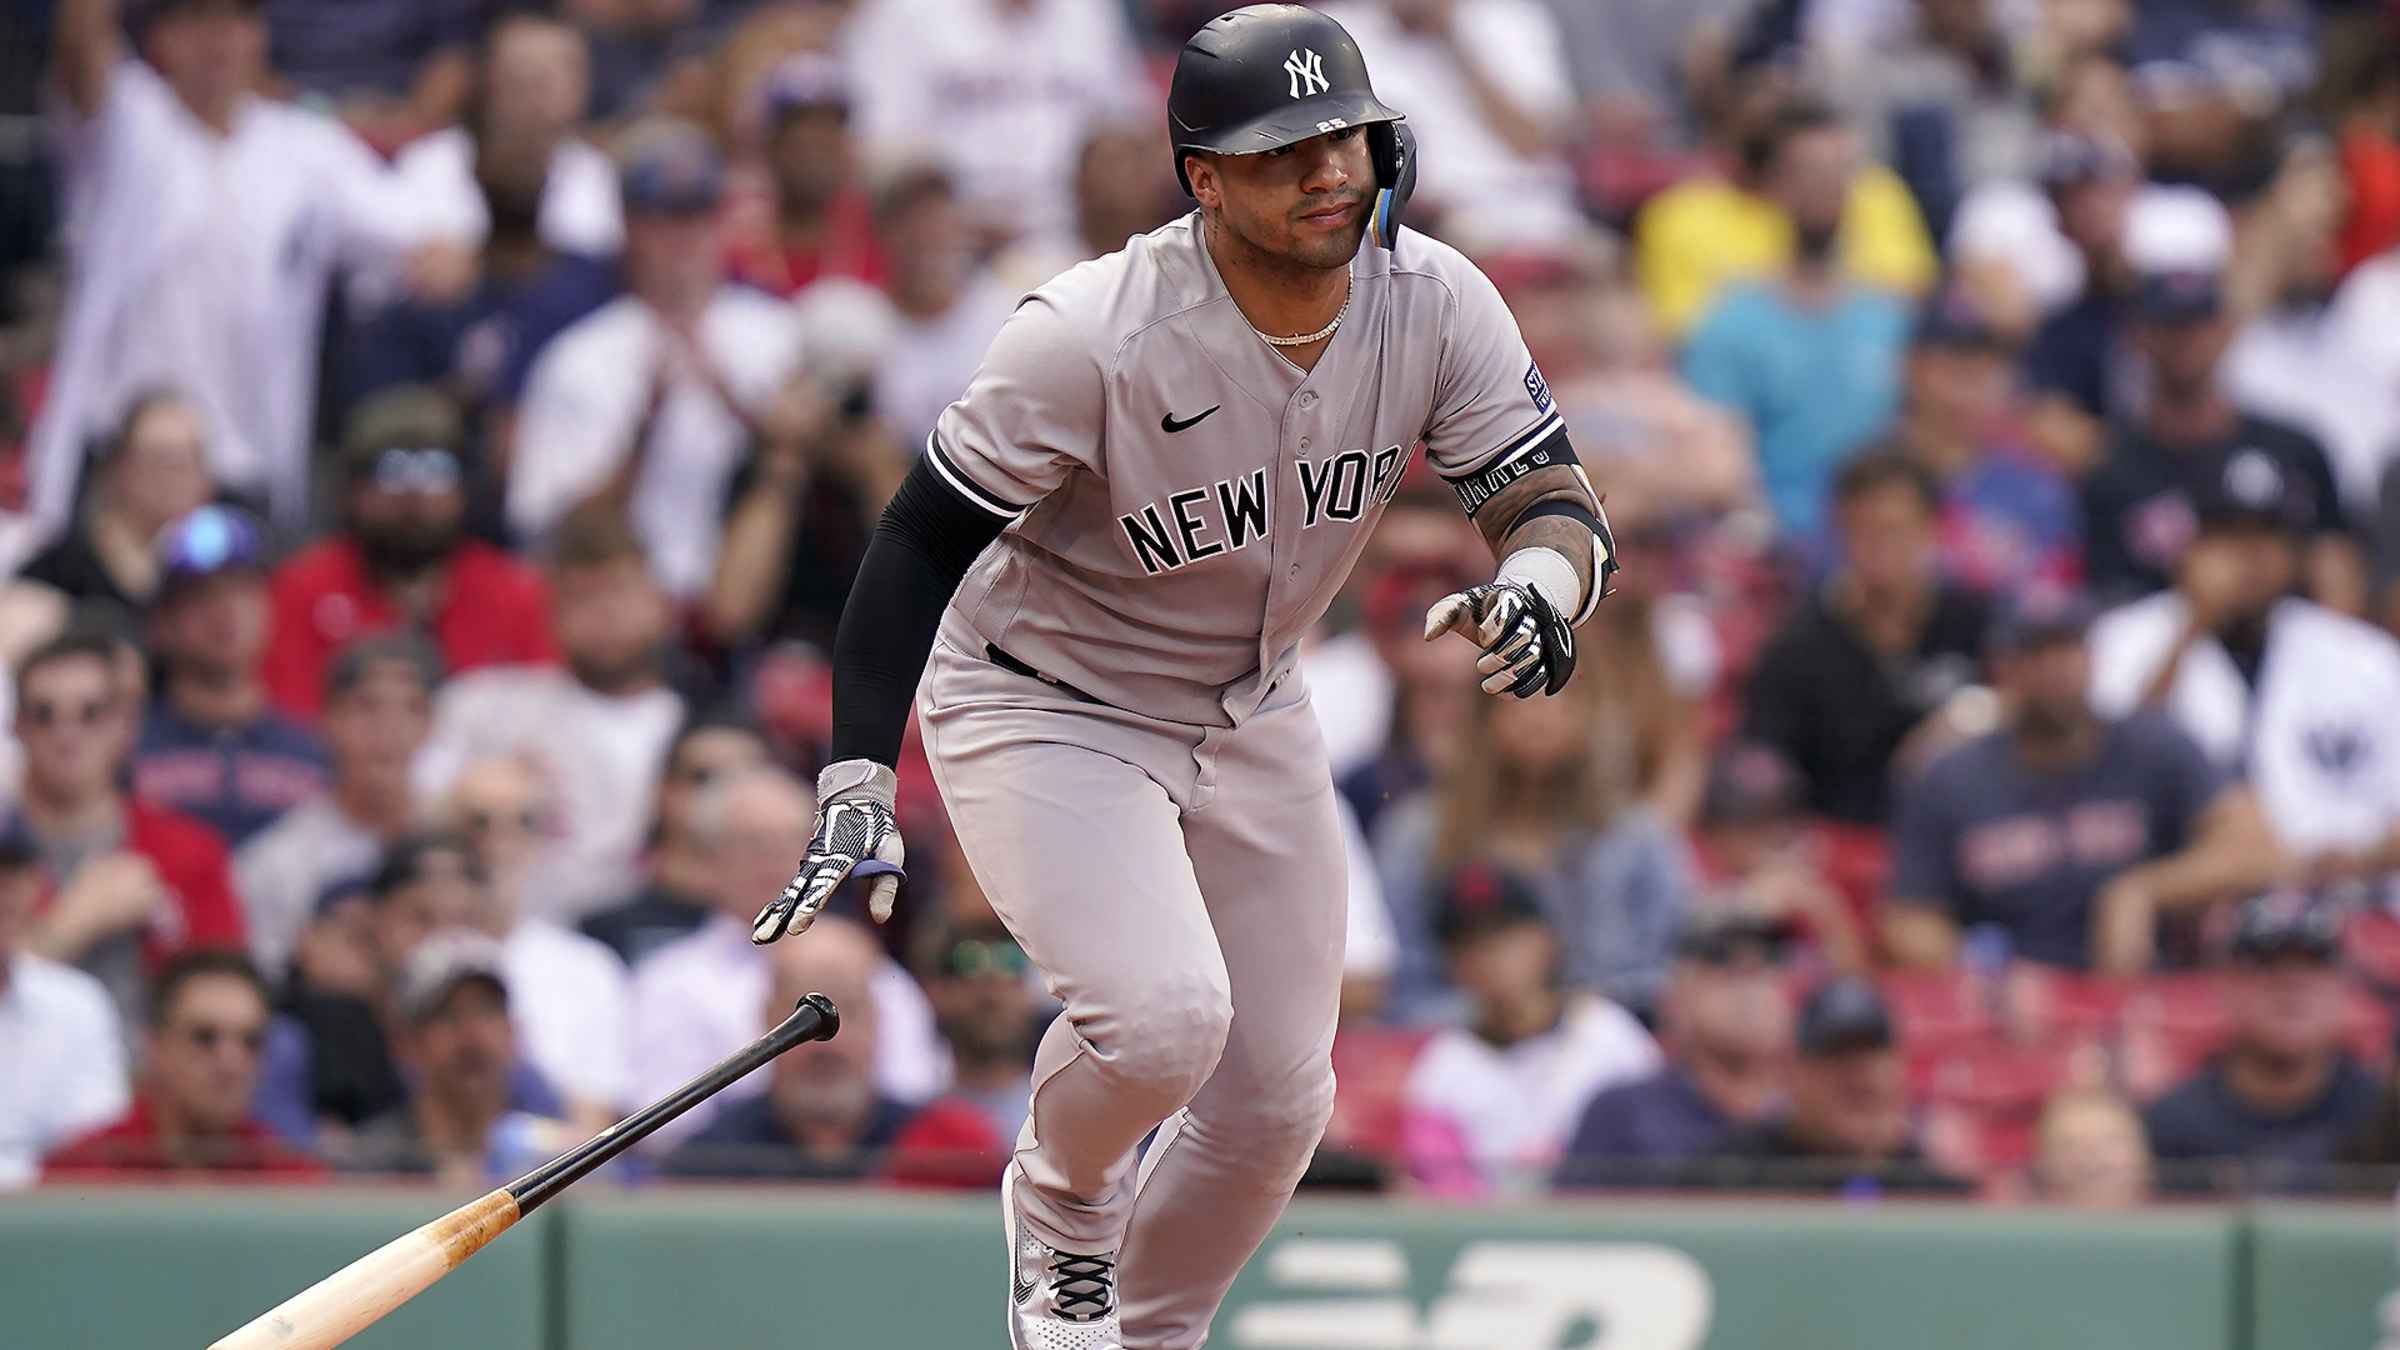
<point>1182,890</point>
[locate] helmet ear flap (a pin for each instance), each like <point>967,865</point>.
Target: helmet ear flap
<point>1393,147</point>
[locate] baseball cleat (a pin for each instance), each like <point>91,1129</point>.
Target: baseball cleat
<point>1056,1300</point>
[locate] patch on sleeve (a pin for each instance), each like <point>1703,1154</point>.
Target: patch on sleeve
<point>1537,388</point>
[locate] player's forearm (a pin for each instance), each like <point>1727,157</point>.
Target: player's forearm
<point>924,544</point>
<point>1555,538</point>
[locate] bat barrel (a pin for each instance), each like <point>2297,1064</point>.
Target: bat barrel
<point>816,1019</point>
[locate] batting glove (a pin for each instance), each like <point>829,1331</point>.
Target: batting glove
<point>1527,647</point>
<point>856,836</point>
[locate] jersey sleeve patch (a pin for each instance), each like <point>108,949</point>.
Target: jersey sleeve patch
<point>1538,446</point>
<point>965,486</point>
<point>1537,388</point>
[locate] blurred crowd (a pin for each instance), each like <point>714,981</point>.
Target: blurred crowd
<point>436,439</point>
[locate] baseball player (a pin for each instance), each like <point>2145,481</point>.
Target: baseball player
<point>1102,568</point>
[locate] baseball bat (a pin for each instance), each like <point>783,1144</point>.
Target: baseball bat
<point>353,1298</point>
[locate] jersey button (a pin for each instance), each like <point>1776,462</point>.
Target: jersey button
<point>1304,442</point>
<point>1309,399</point>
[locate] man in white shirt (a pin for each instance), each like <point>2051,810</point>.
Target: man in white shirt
<point>1488,91</point>
<point>378,708</point>
<point>62,1053</point>
<point>2303,699</point>
<point>594,729</point>
<point>999,90</point>
<point>567,992</point>
<point>535,86</point>
<point>946,305</point>
<point>697,998</point>
<point>202,226</point>
<point>1492,1104</point>
<point>653,400</point>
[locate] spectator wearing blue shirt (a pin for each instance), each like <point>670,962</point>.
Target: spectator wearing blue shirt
<point>2008,517</point>
<point>2285,1094</point>
<point>1848,1130</point>
<point>1726,1026</point>
<point>2072,834</point>
<point>212,746</point>
<point>1811,359</point>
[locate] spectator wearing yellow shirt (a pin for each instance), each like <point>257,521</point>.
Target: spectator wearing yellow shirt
<point>1696,237</point>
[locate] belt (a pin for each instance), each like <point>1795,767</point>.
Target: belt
<point>1014,666</point>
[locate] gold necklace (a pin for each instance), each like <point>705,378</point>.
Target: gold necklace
<point>1321,334</point>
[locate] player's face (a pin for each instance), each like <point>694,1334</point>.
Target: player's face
<point>1305,203</point>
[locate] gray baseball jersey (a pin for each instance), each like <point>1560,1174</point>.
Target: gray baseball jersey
<point>1185,501</point>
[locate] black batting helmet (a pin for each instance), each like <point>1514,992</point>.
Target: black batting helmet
<point>1267,76</point>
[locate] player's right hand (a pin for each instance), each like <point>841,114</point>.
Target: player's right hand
<point>856,835</point>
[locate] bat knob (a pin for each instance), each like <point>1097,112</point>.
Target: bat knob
<point>829,1018</point>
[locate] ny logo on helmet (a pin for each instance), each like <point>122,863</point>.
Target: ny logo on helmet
<point>1307,70</point>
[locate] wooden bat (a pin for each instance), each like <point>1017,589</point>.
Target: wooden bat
<point>353,1298</point>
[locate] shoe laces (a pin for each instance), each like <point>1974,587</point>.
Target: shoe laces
<point>1082,1288</point>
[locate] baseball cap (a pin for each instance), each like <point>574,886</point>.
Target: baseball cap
<point>2273,926</point>
<point>2069,159</point>
<point>1481,898</point>
<point>671,168</point>
<point>1952,319</point>
<point>2040,615</point>
<point>441,964</point>
<point>404,440</point>
<point>2251,489</point>
<point>1843,1015</point>
<point>806,81</point>
<point>205,543</point>
<point>2180,295</point>
<point>1748,783</point>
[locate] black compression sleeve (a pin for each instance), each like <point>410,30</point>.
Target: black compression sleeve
<point>929,536</point>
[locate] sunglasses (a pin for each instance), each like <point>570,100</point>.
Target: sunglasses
<point>415,471</point>
<point>984,956</point>
<point>47,715</point>
<point>208,1035</point>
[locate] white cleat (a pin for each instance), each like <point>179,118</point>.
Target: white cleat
<point>1056,1300</point>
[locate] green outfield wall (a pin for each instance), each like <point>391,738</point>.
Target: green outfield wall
<point>786,1270</point>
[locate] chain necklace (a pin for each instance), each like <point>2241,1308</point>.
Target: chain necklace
<point>1321,334</point>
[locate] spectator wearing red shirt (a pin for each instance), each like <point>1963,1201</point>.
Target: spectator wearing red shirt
<point>201,1057</point>
<point>133,884</point>
<point>402,559</point>
<point>823,225</point>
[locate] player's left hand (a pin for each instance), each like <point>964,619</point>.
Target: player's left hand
<point>1527,647</point>
<point>855,836</point>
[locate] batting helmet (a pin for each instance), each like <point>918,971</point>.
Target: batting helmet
<point>1267,76</point>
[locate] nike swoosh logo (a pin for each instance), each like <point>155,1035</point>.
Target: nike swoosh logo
<point>1169,425</point>
<point>1023,1288</point>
